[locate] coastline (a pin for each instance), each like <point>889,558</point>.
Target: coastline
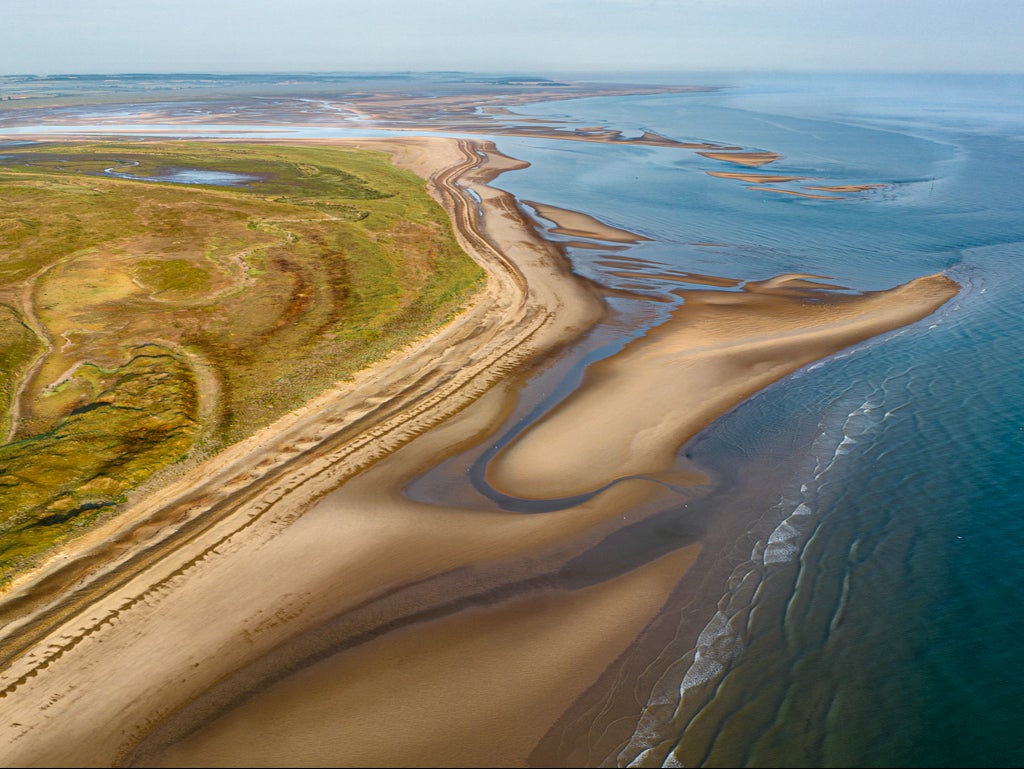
<point>717,350</point>
<point>371,559</point>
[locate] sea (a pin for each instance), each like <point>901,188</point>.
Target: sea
<point>868,510</point>
<point>874,619</point>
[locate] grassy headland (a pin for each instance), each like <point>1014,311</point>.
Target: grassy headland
<point>143,323</point>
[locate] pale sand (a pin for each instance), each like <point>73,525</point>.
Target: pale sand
<point>798,194</point>
<point>582,225</point>
<point>634,410</point>
<point>758,178</point>
<point>440,636</point>
<point>744,158</point>
<point>843,187</point>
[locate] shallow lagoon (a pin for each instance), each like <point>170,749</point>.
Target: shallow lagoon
<point>872,625</point>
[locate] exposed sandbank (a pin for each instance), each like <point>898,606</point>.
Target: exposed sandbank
<point>634,410</point>
<point>757,178</point>
<point>744,158</point>
<point>797,193</point>
<point>582,225</point>
<point>843,187</point>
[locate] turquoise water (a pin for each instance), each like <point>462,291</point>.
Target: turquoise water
<point>871,616</point>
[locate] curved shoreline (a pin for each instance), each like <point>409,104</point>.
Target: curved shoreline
<point>298,560</point>
<point>279,471</point>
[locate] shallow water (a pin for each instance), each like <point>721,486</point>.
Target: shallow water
<point>868,619</point>
<point>874,624</point>
<point>185,176</point>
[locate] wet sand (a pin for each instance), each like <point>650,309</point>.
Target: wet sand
<point>758,178</point>
<point>582,225</point>
<point>843,187</point>
<point>796,193</point>
<point>287,604</point>
<point>744,158</point>
<point>717,350</point>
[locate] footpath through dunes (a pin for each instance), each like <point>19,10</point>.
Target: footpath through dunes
<point>256,488</point>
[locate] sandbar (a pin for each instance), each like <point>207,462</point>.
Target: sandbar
<point>744,158</point>
<point>635,409</point>
<point>843,187</point>
<point>757,178</point>
<point>582,225</point>
<point>797,193</point>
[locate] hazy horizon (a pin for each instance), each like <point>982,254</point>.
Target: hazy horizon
<point>50,37</point>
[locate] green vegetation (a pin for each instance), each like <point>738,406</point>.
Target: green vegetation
<point>143,323</point>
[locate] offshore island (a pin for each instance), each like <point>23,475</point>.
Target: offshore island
<point>218,390</point>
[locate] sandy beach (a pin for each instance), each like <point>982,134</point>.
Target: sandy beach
<point>717,350</point>
<point>287,603</point>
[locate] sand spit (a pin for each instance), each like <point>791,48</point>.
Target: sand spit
<point>718,349</point>
<point>843,187</point>
<point>288,604</point>
<point>796,193</point>
<point>744,158</point>
<point>582,225</point>
<point>758,178</point>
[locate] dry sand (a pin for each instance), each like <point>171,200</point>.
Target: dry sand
<point>287,604</point>
<point>634,410</point>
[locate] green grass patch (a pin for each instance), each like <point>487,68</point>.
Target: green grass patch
<point>18,346</point>
<point>245,302</point>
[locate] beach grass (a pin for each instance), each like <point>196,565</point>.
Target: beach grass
<point>147,325</point>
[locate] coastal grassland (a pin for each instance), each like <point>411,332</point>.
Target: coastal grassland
<point>146,324</point>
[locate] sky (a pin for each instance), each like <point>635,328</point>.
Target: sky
<point>510,36</point>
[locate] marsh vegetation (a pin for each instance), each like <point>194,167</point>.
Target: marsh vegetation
<point>144,324</point>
